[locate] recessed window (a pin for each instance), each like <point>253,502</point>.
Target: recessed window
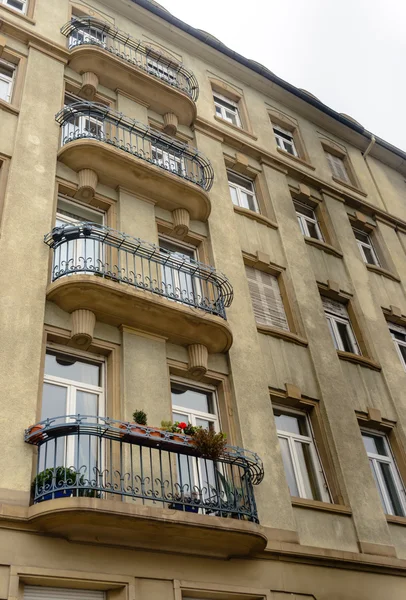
<point>32,592</point>
<point>384,470</point>
<point>227,109</point>
<point>308,223</point>
<point>338,167</point>
<point>89,34</point>
<point>266,299</point>
<point>82,126</point>
<point>284,140</point>
<point>340,326</point>
<point>7,75</point>
<point>20,5</point>
<point>302,464</point>
<point>398,334</point>
<point>178,284</point>
<point>366,247</point>
<point>242,191</point>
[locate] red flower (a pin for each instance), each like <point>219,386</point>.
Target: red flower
<point>182,425</point>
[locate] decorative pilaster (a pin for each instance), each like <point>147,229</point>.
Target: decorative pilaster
<point>87,184</point>
<point>90,83</point>
<point>170,123</point>
<point>198,357</point>
<point>181,222</point>
<point>83,322</point>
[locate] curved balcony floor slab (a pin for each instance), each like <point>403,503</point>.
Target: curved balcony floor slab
<point>148,527</point>
<point>115,73</point>
<point>115,167</point>
<point>120,304</point>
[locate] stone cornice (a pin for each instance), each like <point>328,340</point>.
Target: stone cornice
<point>34,40</point>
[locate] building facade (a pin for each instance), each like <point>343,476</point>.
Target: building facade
<point>187,235</point>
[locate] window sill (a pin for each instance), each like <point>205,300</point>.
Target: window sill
<point>282,334</point>
<point>396,520</point>
<point>318,505</point>
<point>301,161</point>
<point>350,186</point>
<point>359,360</point>
<point>323,246</point>
<point>255,216</point>
<point>382,271</point>
<point>235,127</point>
<point>9,107</point>
<point>16,13</point>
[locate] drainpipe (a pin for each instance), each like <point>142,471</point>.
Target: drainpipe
<point>365,155</point>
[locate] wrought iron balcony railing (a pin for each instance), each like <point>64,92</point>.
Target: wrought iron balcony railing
<point>93,120</point>
<point>90,31</point>
<point>88,456</point>
<point>107,253</point>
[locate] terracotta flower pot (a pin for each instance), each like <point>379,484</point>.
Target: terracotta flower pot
<point>155,433</point>
<point>35,432</point>
<point>134,428</point>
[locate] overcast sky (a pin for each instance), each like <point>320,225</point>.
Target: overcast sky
<point>351,54</point>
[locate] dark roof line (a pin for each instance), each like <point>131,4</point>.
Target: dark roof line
<point>266,73</point>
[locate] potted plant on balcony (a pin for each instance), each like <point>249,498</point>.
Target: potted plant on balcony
<point>54,479</point>
<point>209,443</point>
<point>35,432</point>
<point>179,427</point>
<point>184,503</point>
<point>139,418</point>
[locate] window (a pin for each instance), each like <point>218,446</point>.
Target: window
<point>387,479</point>
<point>32,592</point>
<point>82,125</point>
<point>338,167</point>
<point>178,284</point>
<point>227,109</point>
<point>164,72</point>
<point>284,140</point>
<point>242,191</point>
<point>90,34</point>
<point>80,252</point>
<point>340,326</point>
<point>72,386</point>
<point>366,247</point>
<point>307,221</point>
<point>20,5</point>
<point>302,464</point>
<point>7,74</point>
<point>398,334</point>
<point>197,406</point>
<point>266,298</point>
<point>168,160</point>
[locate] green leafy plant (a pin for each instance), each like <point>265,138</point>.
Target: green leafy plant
<point>209,443</point>
<point>62,475</point>
<point>178,427</point>
<point>140,417</point>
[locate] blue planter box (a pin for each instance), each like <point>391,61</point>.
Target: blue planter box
<point>184,508</point>
<point>57,494</point>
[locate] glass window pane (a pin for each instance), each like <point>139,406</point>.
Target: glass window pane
<point>78,212</point>
<point>312,227</point>
<point>53,401</point>
<point>288,423</point>
<point>234,197</point>
<point>371,464</point>
<point>330,326</point>
<point>307,471</point>
<point>391,489</point>
<point>69,367</point>
<point>240,181</point>
<point>180,417</point>
<point>360,235</point>
<point>402,350</point>
<point>192,399</point>
<point>4,90</point>
<point>369,256</point>
<point>345,336</point>
<point>304,210</point>
<point>374,444</point>
<point>86,403</point>
<point>288,465</point>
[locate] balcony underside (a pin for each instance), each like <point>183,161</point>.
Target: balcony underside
<point>115,73</point>
<point>115,167</point>
<point>148,527</point>
<point>121,304</point>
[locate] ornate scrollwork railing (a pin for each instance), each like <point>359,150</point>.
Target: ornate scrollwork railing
<point>91,31</point>
<point>107,253</point>
<point>100,457</point>
<point>92,120</point>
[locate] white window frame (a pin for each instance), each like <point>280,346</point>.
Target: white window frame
<point>22,10</point>
<point>368,244</point>
<point>338,167</point>
<point>303,221</point>
<point>389,459</point>
<point>282,142</point>
<point>88,38</point>
<point>9,80</point>
<point>195,282</point>
<point>165,158</point>
<point>233,107</point>
<point>332,320</point>
<point>72,388</point>
<point>239,189</point>
<point>309,440</point>
<point>397,342</point>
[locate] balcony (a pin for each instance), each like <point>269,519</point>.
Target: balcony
<point>124,152</point>
<point>121,483</point>
<point>124,280</point>
<point>120,61</point>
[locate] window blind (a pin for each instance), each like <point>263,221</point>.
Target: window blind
<point>34,592</point>
<point>266,298</point>
<point>337,167</point>
<point>334,307</point>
